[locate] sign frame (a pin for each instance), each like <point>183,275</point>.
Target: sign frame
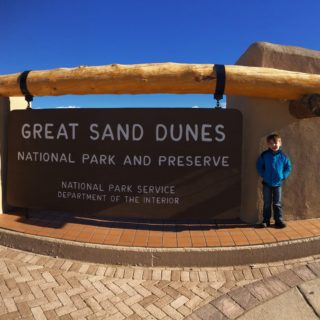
<point>133,162</point>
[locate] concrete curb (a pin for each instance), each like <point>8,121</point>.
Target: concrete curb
<point>170,257</point>
<point>239,303</point>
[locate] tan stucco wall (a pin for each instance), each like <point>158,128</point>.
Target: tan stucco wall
<point>18,103</point>
<point>6,105</point>
<point>263,116</point>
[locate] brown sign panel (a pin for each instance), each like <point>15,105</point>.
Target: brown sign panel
<point>150,163</point>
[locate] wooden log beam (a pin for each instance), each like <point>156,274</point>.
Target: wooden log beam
<point>163,78</point>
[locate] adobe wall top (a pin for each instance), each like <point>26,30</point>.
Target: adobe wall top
<point>270,55</point>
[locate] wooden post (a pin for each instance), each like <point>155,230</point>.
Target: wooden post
<point>164,78</point>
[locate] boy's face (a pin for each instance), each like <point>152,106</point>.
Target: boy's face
<point>274,144</point>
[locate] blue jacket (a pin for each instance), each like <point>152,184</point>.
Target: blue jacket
<point>273,167</point>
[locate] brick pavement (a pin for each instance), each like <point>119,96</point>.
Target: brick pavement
<point>33,286</point>
<point>175,244</point>
<point>154,234</point>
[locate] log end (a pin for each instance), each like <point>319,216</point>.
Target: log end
<point>306,107</point>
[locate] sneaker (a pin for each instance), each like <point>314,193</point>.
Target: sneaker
<point>280,224</point>
<point>265,224</point>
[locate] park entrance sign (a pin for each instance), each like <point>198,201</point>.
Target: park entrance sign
<point>145,163</point>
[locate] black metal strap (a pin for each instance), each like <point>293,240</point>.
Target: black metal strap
<point>220,71</point>
<point>23,87</point>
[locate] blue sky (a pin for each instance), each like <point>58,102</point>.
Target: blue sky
<point>48,34</point>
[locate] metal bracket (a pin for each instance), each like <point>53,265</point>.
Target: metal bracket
<point>23,87</point>
<point>220,71</point>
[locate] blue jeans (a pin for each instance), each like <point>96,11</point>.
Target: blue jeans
<point>272,197</point>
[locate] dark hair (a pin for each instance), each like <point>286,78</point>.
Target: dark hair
<point>273,137</point>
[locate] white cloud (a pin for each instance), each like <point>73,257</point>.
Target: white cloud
<point>67,107</point>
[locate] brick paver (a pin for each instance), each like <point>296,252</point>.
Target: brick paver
<point>38,287</point>
<point>115,232</point>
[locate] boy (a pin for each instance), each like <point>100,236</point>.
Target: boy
<point>273,167</point>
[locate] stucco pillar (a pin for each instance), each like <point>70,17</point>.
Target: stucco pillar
<point>264,116</point>
<point>6,105</point>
